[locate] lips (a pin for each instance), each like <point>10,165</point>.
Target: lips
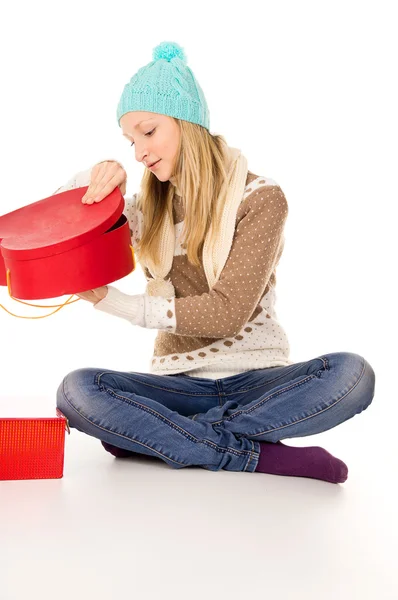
<point>149,166</point>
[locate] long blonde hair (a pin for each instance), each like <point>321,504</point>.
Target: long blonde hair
<point>200,174</point>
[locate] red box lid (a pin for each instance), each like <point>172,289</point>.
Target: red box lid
<point>57,224</point>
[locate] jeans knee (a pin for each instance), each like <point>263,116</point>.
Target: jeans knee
<point>61,400</point>
<point>71,392</point>
<point>360,378</point>
<point>366,383</point>
<point>60,391</point>
<point>369,383</point>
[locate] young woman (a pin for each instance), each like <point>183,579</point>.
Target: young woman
<point>222,391</point>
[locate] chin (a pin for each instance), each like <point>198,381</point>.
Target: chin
<point>162,176</point>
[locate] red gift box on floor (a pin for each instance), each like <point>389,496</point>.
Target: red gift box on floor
<point>60,246</point>
<point>32,447</point>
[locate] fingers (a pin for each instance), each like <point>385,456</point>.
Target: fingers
<point>123,188</point>
<point>101,191</point>
<point>89,296</point>
<point>105,177</point>
<point>100,177</point>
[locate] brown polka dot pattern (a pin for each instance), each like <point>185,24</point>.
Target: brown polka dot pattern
<point>251,261</point>
<point>222,322</point>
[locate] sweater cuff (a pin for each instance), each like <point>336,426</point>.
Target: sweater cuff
<point>131,308</point>
<point>160,313</point>
<point>152,312</point>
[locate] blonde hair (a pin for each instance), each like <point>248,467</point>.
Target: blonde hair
<point>200,174</point>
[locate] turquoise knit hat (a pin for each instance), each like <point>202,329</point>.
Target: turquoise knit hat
<point>166,86</point>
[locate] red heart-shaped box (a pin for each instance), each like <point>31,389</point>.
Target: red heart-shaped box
<point>59,245</point>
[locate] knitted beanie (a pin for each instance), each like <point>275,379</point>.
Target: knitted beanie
<point>166,86</point>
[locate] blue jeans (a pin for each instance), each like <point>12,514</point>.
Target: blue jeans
<point>216,423</point>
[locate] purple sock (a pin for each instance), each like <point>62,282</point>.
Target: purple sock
<point>118,452</point>
<point>311,461</point>
<point>279,459</point>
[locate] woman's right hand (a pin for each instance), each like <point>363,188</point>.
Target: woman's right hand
<point>105,177</point>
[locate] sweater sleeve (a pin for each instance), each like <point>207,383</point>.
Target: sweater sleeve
<point>224,310</point>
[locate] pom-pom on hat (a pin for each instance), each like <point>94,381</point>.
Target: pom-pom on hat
<point>166,86</point>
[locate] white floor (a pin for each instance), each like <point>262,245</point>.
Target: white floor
<point>126,528</point>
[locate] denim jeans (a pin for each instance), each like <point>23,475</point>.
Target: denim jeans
<point>216,423</point>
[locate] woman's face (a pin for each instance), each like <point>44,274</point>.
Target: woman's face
<point>156,137</point>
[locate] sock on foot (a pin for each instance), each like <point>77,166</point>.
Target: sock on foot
<point>312,461</point>
<point>118,452</point>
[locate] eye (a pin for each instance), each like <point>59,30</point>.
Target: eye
<point>149,133</point>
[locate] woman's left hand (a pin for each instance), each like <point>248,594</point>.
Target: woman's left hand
<point>94,296</point>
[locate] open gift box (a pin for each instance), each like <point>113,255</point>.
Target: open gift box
<point>31,447</point>
<point>59,245</point>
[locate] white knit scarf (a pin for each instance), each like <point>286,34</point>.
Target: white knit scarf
<point>214,257</point>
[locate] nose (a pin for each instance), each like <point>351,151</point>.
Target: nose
<point>141,154</point>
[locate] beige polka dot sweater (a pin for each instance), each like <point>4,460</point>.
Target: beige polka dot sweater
<point>234,326</point>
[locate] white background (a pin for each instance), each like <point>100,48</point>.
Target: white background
<point>307,91</point>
